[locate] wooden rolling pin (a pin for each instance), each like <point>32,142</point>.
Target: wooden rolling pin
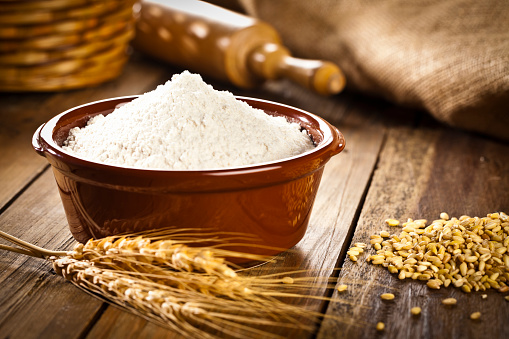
<point>223,44</point>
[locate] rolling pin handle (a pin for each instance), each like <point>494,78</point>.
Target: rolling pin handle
<point>273,61</point>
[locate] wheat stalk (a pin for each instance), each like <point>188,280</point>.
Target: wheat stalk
<point>178,308</point>
<point>188,289</point>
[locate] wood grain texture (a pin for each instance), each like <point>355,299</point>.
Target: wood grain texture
<point>421,173</point>
<point>34,302</point>
<point>116,323</point>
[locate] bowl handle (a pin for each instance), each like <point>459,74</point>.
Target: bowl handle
<point>35,141</point>
<point>341,140</point>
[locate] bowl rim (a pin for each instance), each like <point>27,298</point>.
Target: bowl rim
<point>333,142</point>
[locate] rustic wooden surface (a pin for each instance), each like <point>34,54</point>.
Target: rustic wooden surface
<point>398,163</point>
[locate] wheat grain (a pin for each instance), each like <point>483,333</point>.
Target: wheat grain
<point>342,288</point>
<point>415,310</point>
<point>392,222</point>
<point>475,315</point>
<point>468,253</point>
<point>449,301</point>
<point>387,296</point>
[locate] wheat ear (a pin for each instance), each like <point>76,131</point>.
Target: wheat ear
<point>176,308</point>
<point>174,255</point>
<point>188,289</point>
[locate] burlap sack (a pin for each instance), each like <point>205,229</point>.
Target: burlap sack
<point>450,57</point>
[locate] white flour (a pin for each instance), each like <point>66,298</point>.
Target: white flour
<point>186,124</point>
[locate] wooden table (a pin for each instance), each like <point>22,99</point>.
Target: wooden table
<point>398,163</point>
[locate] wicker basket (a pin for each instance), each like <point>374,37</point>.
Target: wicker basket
<point>63,44</point>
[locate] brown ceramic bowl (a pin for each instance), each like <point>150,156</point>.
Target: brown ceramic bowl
<point>271,200</point>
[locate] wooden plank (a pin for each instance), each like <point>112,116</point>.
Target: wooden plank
<point>421,173</point>
<point>342,188</point>
<point>116,323</point>
<point>34,302</point>
<point>22,113</point>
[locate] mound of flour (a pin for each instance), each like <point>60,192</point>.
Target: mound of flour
<point>186,124</point>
